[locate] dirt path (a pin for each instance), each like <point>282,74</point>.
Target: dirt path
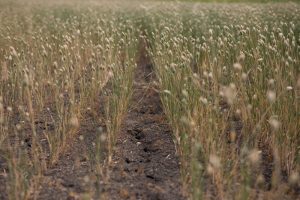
<point>144,165</point>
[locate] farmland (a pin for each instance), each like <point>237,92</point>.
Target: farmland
<point>149,100</point>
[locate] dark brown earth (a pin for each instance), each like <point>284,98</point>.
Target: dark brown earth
<point>3,176</point>
<point>74,175</point>
<point>144,164</point>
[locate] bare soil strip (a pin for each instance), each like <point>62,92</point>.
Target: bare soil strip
<point>3,177</point>
<point>74,176</point>
<point>144,164</point>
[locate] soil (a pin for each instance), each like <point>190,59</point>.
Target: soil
<point>73,176</point>
<point>144,164</point>
<point>3,176</point>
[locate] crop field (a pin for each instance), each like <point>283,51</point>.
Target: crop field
<point>157,100</point>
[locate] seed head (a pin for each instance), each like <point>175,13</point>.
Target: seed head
<point>110,74</point>
<point>271,95</point>
<point>185,93</point>
<point>167,92</point>
<point>241,56</point>
<point>271,82</point>
<point>13,51</point>
<point>254,156</point>
<point>215,161</point>
<point>260,179</point>
<point>74,121</point>
<point>203,100</point>
<point>81,137</point>
<point>232,136</point>
<point>86,179</point>
<point>229,93</point>
<point>275,124</point>
<point>103,137</point>
<point>244,76</point>
<point>294,178</point>
<point>9,109</point>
